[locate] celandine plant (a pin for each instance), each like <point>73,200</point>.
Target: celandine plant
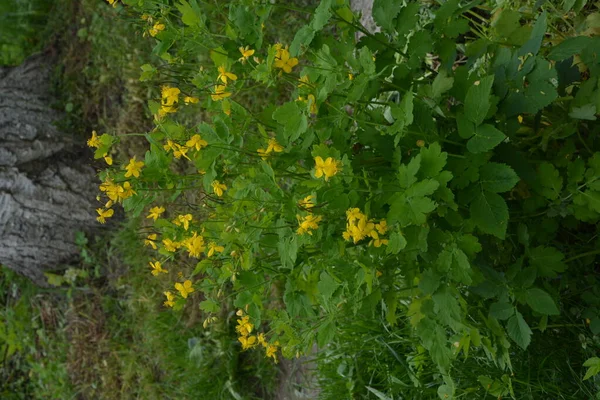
<point>443,173</point>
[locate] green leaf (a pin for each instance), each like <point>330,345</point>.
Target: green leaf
<point>497,178</point>
<point>302,40</point>
<point>397,242</point>
<point>326,333</point>
<point>550,181</point>
<point>593,365</point>
<point>477,102</point>
<point>535,40</point>
<point>380,395</point>
<point>384,12</point>
<point>412,206</point>
<point>486,138</point>
<point>541,302</point>
<point>365,57</point>
<point>490,213</point>
<point>502,310</point>
<point>429,282</point>
<point>432,160</point>
<point>322,15</point>
<point>441,84</point>
<point>210,306</point>
<point>407,174</point>
<point>519,331</point>
<point>586,112</point>
<point>569,47</point>
<point>188,14</point>
<point>547,260</point>
<point>327,286</point>
<point>291,117</point>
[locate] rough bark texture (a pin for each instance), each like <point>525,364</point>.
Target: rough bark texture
<point>46,189</point>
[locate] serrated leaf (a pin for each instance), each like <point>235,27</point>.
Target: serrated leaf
<point>384,12</point>
<point>537,35</point>
<point>569,47</point>
<point>586,112</point>
<point>519,331</point>
<point>550,181</point>
<point>326,333</point>
<point>477,102</point>
<point>441,84</point>
<point>407,174</point>
<point>432,160</point>
<point>547,260</point>
<point>502,310</point>
<point>322,15</point>
<point>490,213</point>
<point>210,306</point>
<point>411,207</point>
<point>291,117</point>
<point>188,14</point>
<point>497,178</point>
<point>429,282</point>
<point>327,285</point>
<point>541,302</point>
<point>593,365</point>
<point>397,242</point>
<point>486,137</point>
<point>302,40</point>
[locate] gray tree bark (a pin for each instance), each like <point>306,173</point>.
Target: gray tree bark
<point>47,189</point>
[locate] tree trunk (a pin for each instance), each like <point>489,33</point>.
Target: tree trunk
<point>47,188</point>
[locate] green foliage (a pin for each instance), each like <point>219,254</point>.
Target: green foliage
<point>421,204</point>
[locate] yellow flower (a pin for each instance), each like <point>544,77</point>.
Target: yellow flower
<point>112,190</point>
<point>273,145</point>
<point>381,227</point>
<point>194,245</point>
<point>519,118</point>
<point>313,104</point>
<point>303,81</point>
<point>170,297</point>
<point>308,223</point>
<point>158,27</point>
<point>134,168</point>
<point>271,351</point>
<point>150,240</point>
<point>190,100</point>
<point>103,214</point>
<point>126,191</point>
<point>184,289</point>
<point>180,150</point>
<point>329,167</point>
<point>170,245</point>
<point>262,340</point>
<point>246,53</point>
<point>108,159</point>
<point>224,75</point>
<point>350,76</point>
<point>112,2</point>
<point>352,214</point>
<point>212,248</point>
<point>218,188</point>
<point>157,268</point>
<point>170,145</point>
<point>220,93</point>
<point>244,327</point>
<point>307,203</point>
<point>283,60</point>
<point>169,95</point>
<point>197,142</point>
<point>155,212</point>
<point>183,220</point>
<point>94,141</point>
<point>247,342</point>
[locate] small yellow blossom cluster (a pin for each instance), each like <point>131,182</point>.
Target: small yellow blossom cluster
<point>272,146</point>
<point>224,76</point>
<point>115,192</point>
<point>244,328</point>
<point>327,168</point>
<point>218,188</point>
<point>359,227</point>
<point>309,222</point>
<point>156,29</point>
<point>184,290</point>
<point>95,142</point>
<point>169,99</point>
<point>312,101</point>
<point>283,59</point>
<point>196,143</point>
